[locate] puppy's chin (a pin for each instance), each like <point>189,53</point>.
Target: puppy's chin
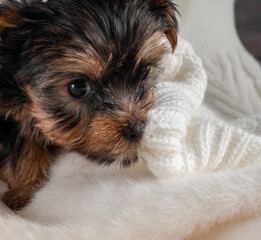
<point>121,160</point>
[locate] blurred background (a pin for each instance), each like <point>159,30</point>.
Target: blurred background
<point>248,22</point>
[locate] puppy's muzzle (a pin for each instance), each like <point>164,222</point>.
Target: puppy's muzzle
<point>134,130</point>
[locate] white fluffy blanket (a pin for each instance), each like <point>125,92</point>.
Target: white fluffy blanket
<point>167,195</point>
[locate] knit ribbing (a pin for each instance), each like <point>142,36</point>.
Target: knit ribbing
<point>234,84</point>
<point>234,88</point>
<point>183,137</point>
<point>209,25</point>
<point>178,95</point>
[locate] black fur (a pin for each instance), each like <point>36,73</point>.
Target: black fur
<point>44,30</point>
<point>55,23</point>
<point>110,45</point>
<point>11,142</point>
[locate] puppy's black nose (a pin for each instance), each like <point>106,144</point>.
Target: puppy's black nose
<point>134,131</point>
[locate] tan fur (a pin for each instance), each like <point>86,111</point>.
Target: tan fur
<point>9,18</point>
<point>152,49</point>
<point>27,177</point>
<point>78,62</point>
<point>106,128</point>
<point>172,33</point>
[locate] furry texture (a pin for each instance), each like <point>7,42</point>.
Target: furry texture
<point>82,201</point>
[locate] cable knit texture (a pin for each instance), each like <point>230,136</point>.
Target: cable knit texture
<point>234,77</point>
<point>178,94</point>
<point>183,137</point>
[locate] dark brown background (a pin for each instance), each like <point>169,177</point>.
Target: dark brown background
<point>248,21</point>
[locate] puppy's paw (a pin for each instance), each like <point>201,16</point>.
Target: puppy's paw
<point>14,200</point>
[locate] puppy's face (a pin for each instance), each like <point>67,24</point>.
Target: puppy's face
<point>80,69</point>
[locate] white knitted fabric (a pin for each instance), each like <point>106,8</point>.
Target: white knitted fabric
<point>178,94</point>
<point>225,132</point>
<point>234,77</point>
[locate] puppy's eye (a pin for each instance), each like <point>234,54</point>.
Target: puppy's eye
<point>79,88</point>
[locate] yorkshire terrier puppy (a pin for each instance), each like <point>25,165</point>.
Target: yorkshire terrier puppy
<point>75,77</point>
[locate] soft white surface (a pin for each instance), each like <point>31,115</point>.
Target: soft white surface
<point>82,201</point>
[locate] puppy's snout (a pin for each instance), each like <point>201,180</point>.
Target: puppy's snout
<point>134,131</point>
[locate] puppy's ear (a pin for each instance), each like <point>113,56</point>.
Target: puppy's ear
<point>167,11</point>
<point>171,33</point>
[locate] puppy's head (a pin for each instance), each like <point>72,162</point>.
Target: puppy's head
<point>78,70</point>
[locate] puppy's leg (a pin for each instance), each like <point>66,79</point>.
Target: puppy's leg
<point>19,197</point>
<point>25,175</point>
